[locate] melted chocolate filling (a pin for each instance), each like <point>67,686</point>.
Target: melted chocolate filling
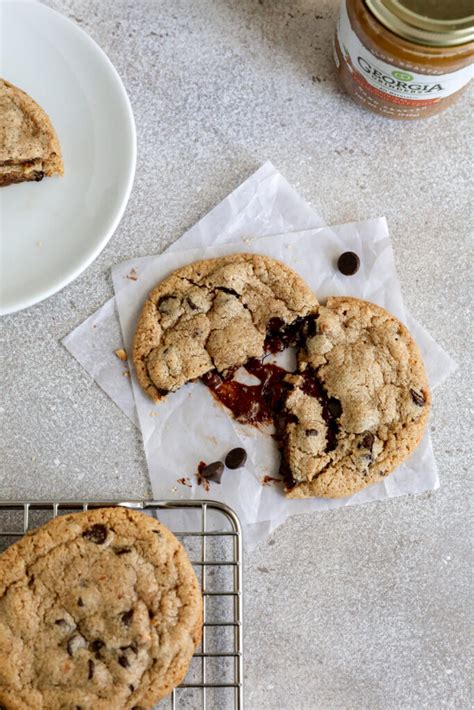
<point>265,402</point>
<point>250,404</point>
<point>282,335</point>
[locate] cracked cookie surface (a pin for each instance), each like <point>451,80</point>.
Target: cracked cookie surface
<point>214,314</point>
<point>359,404</point>
<point>99,610</point>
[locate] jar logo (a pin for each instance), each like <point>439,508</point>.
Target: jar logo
<point>402,75</point>
<point>399,81</point>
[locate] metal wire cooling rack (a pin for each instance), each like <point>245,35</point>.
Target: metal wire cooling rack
<point>211,534</point>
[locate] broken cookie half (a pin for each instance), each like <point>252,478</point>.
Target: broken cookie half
<point>29,146</point>
<point>215,315</point>
<point>358,405</point>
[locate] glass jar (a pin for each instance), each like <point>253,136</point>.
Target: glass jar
<point>405,59</point>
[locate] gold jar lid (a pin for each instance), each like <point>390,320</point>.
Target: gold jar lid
<point>436,23</point>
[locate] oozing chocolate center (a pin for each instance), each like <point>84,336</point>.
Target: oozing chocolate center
<point>265,402</point>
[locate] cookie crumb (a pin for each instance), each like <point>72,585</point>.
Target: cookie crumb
<point>185,481</point>
<point>268,480</point>
<point>132,275</point>
<point>121,354</point>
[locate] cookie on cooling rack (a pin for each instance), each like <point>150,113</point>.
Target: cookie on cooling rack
<point>99,610</point>
<point>217,314</point>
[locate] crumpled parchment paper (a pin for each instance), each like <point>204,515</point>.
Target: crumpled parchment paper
<point>263,215</point>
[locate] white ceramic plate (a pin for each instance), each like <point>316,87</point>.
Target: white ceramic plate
<point>52,230</point>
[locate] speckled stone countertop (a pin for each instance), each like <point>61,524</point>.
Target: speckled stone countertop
<point>364,607</point>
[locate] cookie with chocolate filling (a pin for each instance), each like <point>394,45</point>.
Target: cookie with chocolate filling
<point>358,405</point>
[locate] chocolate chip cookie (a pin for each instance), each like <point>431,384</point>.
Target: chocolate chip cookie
<point>216,315</point>
<point>99,610</point>
<point>358,405</point>
<point>29,146</point>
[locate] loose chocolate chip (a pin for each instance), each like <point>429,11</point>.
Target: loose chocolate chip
<point>368,440</point>
<point>96,645</point>
<point>124,662</point>
<point>418,397</point>
<point>311,432</point>
<point>348,263</point>
<point>334,407</point>
<point>127,617</point>
<point>97,534</point>
<point>236,458</point>
<point>123,550</point>
<point>91,665</point>
<point>213,471</point>
<point>39,175</point>
<point>80,602</point>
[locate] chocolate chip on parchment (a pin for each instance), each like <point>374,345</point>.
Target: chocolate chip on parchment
<point>348,263</point>
<point>126,617</point>
<point>417,397</point>
<point>97,534</point>
<point>213,471</point>
<point>124,662</point>
<point>91,666</point>
<point>236,458</point>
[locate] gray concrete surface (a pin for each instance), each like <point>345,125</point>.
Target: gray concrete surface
<point>366,607</point>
